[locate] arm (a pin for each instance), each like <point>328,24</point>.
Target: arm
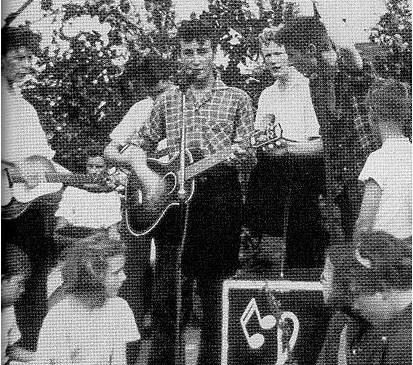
<point>243,131</point>
<point>127,131</point>
<point>369,208</point>
<point>135,155</point>
<point>262,111</point>
<point>114,155</point>
<point>132,352</point>
<point>350,57</point>
<point>312,147</point>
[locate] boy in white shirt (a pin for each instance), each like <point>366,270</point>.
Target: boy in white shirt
<point>387,174</point>
<point>295,161</point>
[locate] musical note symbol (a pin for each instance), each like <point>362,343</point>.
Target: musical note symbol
<point>256,340</point>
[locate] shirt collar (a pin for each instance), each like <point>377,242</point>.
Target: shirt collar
<point>218,85</point>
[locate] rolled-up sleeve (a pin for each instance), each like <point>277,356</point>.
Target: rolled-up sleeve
<point>153,130</point>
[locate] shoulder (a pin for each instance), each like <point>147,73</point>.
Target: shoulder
<point>142,105</point>
<point>167,99</point>
<point>299,78</point>
<point>241,94</point>
<point>268,91</point>
<point>61,311</point>
<point>119,305</point>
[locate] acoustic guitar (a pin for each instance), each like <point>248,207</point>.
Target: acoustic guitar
<point>143,213</point>
<point>17,197</point>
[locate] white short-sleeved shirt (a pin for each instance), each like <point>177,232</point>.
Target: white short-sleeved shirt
<point>74,334</point>
<point>82,208</point>
<point>391,168</point>
<point>134,119</point>
<point>10,333</point>
<point>292,107</point>
<point>22,134</point>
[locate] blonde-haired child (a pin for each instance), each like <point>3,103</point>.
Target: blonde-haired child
<point>91,325</point>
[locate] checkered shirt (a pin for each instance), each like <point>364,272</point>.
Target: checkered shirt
<point>212,123</point>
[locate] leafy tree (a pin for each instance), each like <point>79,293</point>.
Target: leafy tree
<point>394,31</point>
<point>91,50</point>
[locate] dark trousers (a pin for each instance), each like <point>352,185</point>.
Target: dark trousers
<point>31,233</point>
<point>137,286</point>
<point>210,255</point>
<point>164,312</point>
<point>271,181</point>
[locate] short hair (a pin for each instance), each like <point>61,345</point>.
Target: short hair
<point>392,100</point>
<point>301,32</point>
<point>86,263</point>
<point>269,35</point>
<point>16,37</point>
<point>381,262</point>
<point>198,30</point>
<point>154,68</point>
<point>14,262</point>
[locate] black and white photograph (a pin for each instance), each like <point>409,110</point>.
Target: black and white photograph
<point>206,182</point>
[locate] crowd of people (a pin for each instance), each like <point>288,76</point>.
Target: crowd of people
<point>337,186</point>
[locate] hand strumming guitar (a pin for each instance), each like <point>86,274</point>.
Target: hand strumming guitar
<point>135,158</point>
<point>240,155</point>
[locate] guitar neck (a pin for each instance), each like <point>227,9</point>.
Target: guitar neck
<point>207,163</point>
<point>68,179</point>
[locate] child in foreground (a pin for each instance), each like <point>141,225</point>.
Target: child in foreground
<point>91,325</point>
<point>377,329</point>
<point>15,269</point>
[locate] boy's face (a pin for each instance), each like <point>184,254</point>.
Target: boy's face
<point>115,275</point>
<point>198,59</point>
<point>95,166</point>
<point>12,289</point>
<point>17,64</point>
<point>275,58</point>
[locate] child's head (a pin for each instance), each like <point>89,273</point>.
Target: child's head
<point>391,105</point>
<point>95,162</point>
<point>15,268</point>
<point>94,269</point>
<point>380,268</point>
<point>304,40</point>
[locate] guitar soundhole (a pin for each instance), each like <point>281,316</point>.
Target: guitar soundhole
<point>170,181</point>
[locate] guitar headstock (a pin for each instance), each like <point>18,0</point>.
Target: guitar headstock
<point>272,133</point>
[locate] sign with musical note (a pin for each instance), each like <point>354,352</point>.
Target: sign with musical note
<point>271,322</point>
